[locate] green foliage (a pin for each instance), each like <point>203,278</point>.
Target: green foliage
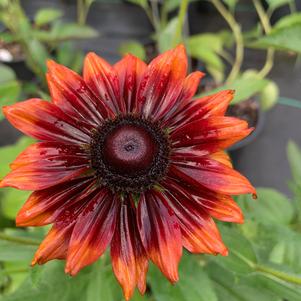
<point>207,48</point>
<point>244,88</point>
<point>142,3</point>
<point>133,47</point>
<point>12,199</point>
<point>195,284</point>
<point>165,36</point>
<point>47,15</point>
<point>284,38</point>
<point>269,95</point>
<point>10,88</point>
<point>273,4</point>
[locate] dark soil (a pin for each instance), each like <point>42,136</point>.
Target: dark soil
<point>246,110</point>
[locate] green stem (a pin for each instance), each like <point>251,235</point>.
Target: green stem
<point>269,271</point>
<point>289,102</point>
<point>279,274</point>
<point>181,20</point>
<point>235,27</point>
<point>19,240</point>
<point>14,271</point>
<point>264,19</point>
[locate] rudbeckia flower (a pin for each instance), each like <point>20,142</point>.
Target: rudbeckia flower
<point>127,159</point>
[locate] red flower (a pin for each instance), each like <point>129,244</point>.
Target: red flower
<point>127,159</point>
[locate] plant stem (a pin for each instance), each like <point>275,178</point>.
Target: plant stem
<point>181,20</point>
<point>264,19</point>
<point>279,274</point>
<point>14,271</point>
<point>235,27</point>
<point>19,240</point>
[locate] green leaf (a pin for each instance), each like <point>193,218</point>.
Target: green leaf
<point>133,47</point>
<point>271,207</point>
<point>294,159</point>
<point>273,4</point>
<point>10,152</point>
<point>194,284</point>
<point>231,3</point>
<point>242,257</point>
<point>6,74</point>
<point>69,56</point>
<point>284,38</point>
<point>63,32</point>
<point>230,287</point>
<point>165,38</point>
<point>11,201</point>
<point>207,47</point>
<point>47,15</point>
<point>10,251</point>
<point>142,3</point>
<point>170,5</point>
<point>244,88</point>
<point>94,283</point>
<point>39,54</point>
<point>289,20</point>
<point>10,92</point>
<point>287,252</point>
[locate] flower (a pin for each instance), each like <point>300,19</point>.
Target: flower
<point>126,158</point>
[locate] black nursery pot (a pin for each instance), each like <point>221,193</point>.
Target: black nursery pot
<point>258,127</point>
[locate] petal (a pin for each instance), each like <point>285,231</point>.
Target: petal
<point>54,246</point>
<point>205,172</point>
<point>190,86</point>
<point>160,233</point>
<point>219,206</point>
<point>205,107</point>
<point>224,131</point>
<point>93,231</point>
<point>162,83</point>
<point>45,121</point>
<point>70,93</point>
<point>103,80</point>
<point>130,71</point>
<point>129,260</point>
<point>44,206</point>
<point>45,164</point>
<point>222,157</point>
<point>199,232</point>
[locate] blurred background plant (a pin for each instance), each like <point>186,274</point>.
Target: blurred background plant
<point>264,262</point>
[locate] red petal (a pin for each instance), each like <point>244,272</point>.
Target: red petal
<point>160,233</point>
<point>45,121</point>
<point>129,260</point>
<point>205,107</point>
<point>44,206</point>
<point>54,246</point>
<point>103,80</point>
<point>162,83</point>
<point>205,172</point>
<point>70,92</point>
<point>219,206</point>
<point>224,131</point>
<point>199,232</point>
<point>130,71</point>
<point>45,164</point>
<point>190,86</point>
<point>93,232</point>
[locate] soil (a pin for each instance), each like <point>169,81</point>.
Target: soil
<point>247,110</point>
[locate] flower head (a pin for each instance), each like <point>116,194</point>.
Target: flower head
<point>127,159</point>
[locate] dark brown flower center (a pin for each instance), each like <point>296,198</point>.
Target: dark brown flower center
<point>129,154</point>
